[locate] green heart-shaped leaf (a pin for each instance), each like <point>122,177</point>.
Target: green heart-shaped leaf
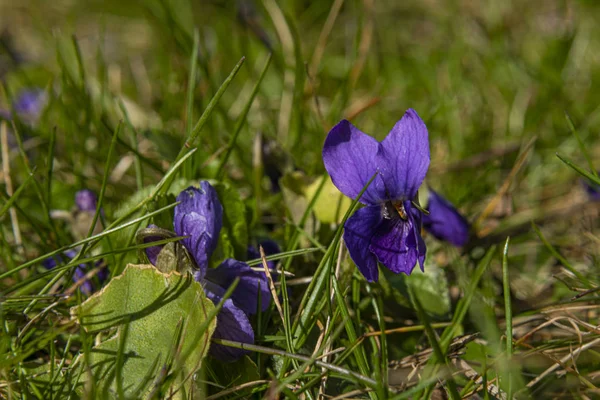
<point>161,336</point>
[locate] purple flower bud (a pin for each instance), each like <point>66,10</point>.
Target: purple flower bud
<point>444,221</point>
<point>270,248</point>
<point>199,217</point>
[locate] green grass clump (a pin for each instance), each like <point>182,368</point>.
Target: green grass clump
<point>143,98</point>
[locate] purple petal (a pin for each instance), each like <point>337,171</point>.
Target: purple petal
<point>56,259</point>
<point>358,232</point>
<point>52,262</point>
<point>199,216</point>
<point>404,157</point>
<point>153,251</point>
<point>253,253</point>
<point>103,273</point>
<point>86,287</point>
<point>30,103</point>
<point>71,253</point>
<point>592,189</point>
<point>270,247</point>
<point>81,270</point>
<point>248,288</point>
<point>232,324</point>
<point>349,156</point>
<point>445,222</point>
<point>398,244</point>
<point>86,200</point>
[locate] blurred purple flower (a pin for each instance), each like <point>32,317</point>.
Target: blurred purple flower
<point>86,200</point>
<point>592,189</point>
<point>28,105</point>
<point>388,229</point>
<point>87,287</point>
<point>199,216</point>
<point>444,221</point>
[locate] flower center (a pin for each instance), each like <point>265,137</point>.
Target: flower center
<point>392,209</point>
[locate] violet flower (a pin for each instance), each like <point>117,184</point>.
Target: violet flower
<point>85,202</point>
<point>388,229</point>
<point>87,287</point>
<point>28,105</point>
<point>199,217</point>
<point>81,218</point>
<point>444,221</point>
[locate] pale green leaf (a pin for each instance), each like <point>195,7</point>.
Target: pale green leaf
<point>159,316</point>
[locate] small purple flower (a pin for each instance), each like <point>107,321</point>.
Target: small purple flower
<point>86,200</point>
<point>444,221</point>
<point>87,287</point>
<point>199,216</point>
<point>388,229</point>
<point>28,105</point>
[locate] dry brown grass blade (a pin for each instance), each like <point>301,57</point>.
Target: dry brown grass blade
<point>475,160</point>
<point>322,41</point>
<point>234,389</point>
<point>271,283</point>
<point>365,42</point>
<point>470,373</point>
<point>504,189</point>
<point>404,371</point>
<point>9,189</point>
<point>359,106</point>
<point>563,361</point>
<point>406,329</point>
<point>328,342</point>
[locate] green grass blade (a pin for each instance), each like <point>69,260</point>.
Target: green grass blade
<point>11,200</point>
<point>559,256</point>
<point>242,119</point>
<point>193,136</point>
<point>582,147</point>
<point>94,238</point>
<point>438,352</point>
<point>192,84</point>
<point>507,314</point>
<point>592,177</point>
<point>463,305</point>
